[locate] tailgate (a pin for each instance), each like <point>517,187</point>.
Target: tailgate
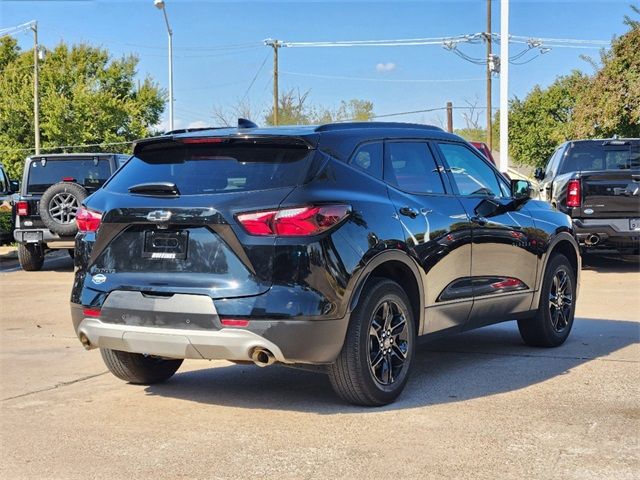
<point>611,194</point>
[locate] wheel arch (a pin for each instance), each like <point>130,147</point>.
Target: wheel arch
<point>402,269</point>
<point>565,244</point>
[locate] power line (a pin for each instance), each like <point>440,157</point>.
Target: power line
<point>255,77</point>
<point>373,79</point>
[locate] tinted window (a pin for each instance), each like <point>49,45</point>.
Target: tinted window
<point>214,169</point>
<point>411,167</point>
<point>470,173</point>
<point>369,158</point>
<point>585,157</point>
<point>4,186</point>
<point>89,173</point>
<point>552,166</point>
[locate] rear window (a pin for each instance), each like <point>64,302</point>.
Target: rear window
<point>585,157</point>
<point>90,173</point>
<point>208,169</point>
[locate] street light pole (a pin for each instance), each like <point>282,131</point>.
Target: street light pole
<point>36,81</point>
<point>504,85</point>
<point>161,5</point>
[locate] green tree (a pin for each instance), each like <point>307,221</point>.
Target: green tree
<point>294,109</point>
<point>86,97</point>
<point>542,120</point>
<point>611,104</point>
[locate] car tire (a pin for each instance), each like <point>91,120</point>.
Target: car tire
<point>139,369</point>
<point>370,370</point>
<point>67,198</point>
<point>552,322</point>
<point>30,256</point>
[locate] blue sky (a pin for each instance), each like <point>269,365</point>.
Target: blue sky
<point>413,77</point>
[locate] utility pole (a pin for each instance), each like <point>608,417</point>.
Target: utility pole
<point>489,65</point>
<point>275,44</point>
<point>449,117</point>
<point>504,85</point>
<point>36,79</point>
<point>160,5</point>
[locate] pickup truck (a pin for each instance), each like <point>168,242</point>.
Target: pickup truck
<point>597,183</point>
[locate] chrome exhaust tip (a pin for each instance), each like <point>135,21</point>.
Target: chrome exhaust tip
<point>592,240</point>
<point>86,343</point>
<point>262,357</point>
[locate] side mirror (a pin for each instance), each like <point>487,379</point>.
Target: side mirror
<point>520,189</point>
<point>538,173</point>
<point>14,186</point>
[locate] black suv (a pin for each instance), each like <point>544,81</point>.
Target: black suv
<point>334,245</point>
<point>597,183</point>
<point>53,188</point>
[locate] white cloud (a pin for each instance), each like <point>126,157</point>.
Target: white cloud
<point>385,67</point>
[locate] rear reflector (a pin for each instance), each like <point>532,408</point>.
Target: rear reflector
<point>22,209</point>
<point>234,322</point>
<point>294,222</point>
<point>573,193</point>
<point>88,220</point>
<point>91,312</point>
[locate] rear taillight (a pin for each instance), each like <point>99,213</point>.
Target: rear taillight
<point>293,222</point>
<point>88,220</point>
<point>573,193</point>
<point>91,312</point>
<point>22,209</point>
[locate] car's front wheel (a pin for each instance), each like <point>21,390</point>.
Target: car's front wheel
<point>373,366</point>
<point>138,368</point>
<point>553,320</point>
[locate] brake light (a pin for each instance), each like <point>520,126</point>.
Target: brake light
<point>203,140</point>
<point>91,312</point>
<point>293,222</point>
<point>573,193</point>
<point>22,208</point>
<point>88,220</point>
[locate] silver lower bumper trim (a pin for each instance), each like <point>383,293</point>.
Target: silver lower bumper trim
<point>223,344</point>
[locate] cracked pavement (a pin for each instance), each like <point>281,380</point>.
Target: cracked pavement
<point>478,405</point>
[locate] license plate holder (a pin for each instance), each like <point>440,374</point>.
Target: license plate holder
<point>165,244</point>
<point>32,237</point>
<point>634,224</point>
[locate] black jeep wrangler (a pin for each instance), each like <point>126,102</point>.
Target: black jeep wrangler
<point>53,188</point>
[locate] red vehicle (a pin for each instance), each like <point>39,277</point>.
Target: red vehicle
<point>484,150</point>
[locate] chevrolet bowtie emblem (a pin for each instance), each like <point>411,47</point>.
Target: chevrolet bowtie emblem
<point>159,216</point>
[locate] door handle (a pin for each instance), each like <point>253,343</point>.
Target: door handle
<point>479,220</point>
<point>409,212</point>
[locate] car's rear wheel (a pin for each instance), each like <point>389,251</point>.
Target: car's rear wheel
<point>553,320</point>
<point>373,366</point>
<point>30,256</point>
<point>138,368</point>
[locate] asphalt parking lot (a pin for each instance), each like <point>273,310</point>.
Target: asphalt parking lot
<point>478,405</point>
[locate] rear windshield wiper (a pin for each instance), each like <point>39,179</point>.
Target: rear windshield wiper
<point>156,188</point>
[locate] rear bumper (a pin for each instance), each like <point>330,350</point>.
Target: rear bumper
<point>290,341</point>
<point>609,232</point>
<point>43,235</point>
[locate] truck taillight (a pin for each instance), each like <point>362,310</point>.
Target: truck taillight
<point>293,222</point>
<point>22,208</point>
<point>574,193</point>
<point>88,220</point>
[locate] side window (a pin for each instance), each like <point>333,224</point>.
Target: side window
<point>470,173</point>
<point>4,186</point>
<point>369,159</point>
<point>410,166</point>
<point>552,166</point>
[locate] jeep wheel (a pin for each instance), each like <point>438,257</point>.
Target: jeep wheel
<point>373,366</point>
<point>30,256</point>
<point>138,368</point>
<point>552,323</point>
<point>59,205</point>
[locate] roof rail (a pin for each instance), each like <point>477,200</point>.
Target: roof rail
<point>330,127</point>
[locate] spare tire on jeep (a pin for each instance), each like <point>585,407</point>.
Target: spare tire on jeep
<point>59,205</point>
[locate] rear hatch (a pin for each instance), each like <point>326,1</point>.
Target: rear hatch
<point>610,178</point>
<point>169,223</point>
